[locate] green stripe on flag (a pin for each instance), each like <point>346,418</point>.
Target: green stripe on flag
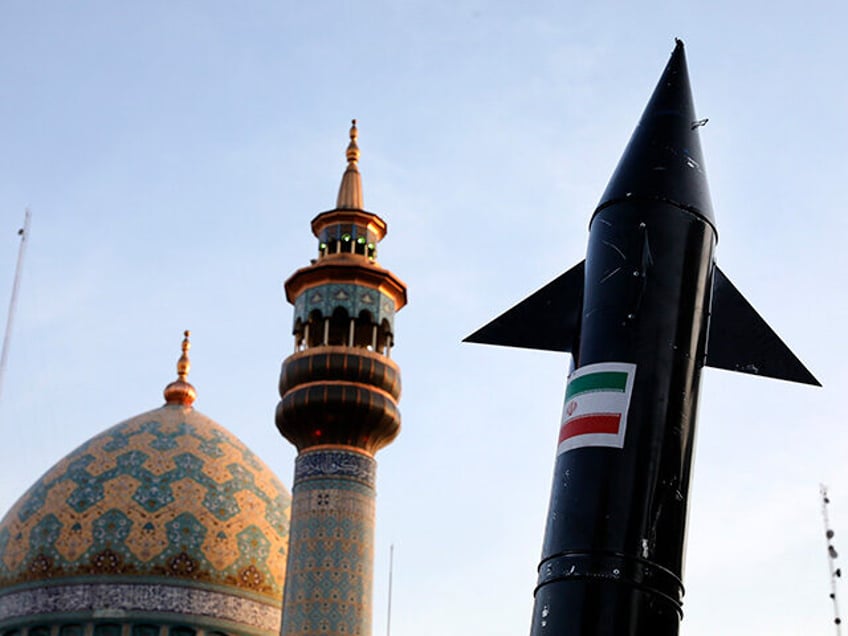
<point>602,381</point>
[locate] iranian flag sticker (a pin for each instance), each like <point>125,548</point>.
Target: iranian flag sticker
<point>596,403</point>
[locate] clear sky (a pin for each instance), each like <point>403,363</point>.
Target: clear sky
<point>173,154</point>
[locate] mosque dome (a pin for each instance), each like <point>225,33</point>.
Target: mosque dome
<point>164,519</point>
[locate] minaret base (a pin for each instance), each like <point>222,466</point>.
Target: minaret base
<point>331,544</point>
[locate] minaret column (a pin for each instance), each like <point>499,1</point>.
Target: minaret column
<point>331,543</point>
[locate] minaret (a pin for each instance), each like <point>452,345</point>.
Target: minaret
<point>339,394</point>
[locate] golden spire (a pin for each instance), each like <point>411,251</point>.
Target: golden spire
<point>180,391</point>
<point>350,191</point>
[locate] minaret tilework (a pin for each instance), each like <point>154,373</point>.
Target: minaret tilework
<point>339,393</point>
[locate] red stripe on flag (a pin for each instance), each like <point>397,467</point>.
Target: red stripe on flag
<point>598,423</point>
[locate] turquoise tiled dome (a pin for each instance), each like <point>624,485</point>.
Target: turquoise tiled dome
<point>166,496</point>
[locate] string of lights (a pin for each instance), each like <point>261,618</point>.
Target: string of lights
<point>832,554</point>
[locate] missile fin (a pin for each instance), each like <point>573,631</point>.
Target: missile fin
<point>548,319</point>
<point>740,340</point>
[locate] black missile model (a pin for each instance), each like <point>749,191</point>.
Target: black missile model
<point>641,316</point>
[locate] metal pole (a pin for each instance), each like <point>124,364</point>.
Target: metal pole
<point>24,234</point>
<point>391,568</point>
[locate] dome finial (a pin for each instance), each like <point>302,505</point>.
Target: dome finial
<point>350,191</point>
<point>184,364</point>
<point>180,391</point>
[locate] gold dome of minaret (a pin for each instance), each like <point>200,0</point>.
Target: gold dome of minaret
<point>350,190</point>
<point>180,391</point>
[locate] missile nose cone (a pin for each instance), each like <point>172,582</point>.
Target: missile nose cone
<point>663,160</point>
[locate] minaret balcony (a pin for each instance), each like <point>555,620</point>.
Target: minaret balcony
<point>339,395</point>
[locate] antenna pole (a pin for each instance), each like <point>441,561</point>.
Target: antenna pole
<point>24,234</point>
<point>391,568</point>
<point>835,572</point>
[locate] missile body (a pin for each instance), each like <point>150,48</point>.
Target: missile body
<point>641,316</point>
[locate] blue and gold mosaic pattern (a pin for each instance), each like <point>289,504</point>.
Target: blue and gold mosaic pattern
<point>353,298</point>
<point>331,559</point>
<point>167,493</point>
